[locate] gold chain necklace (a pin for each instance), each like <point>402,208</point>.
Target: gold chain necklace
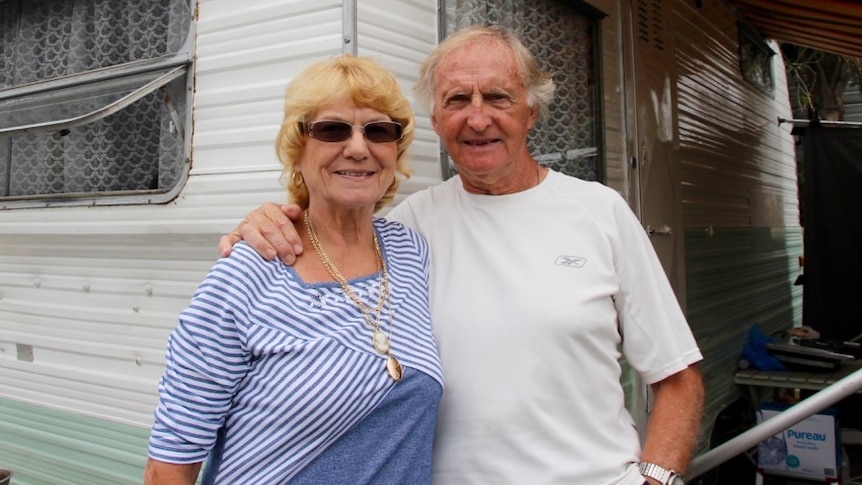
<point>379,339</point>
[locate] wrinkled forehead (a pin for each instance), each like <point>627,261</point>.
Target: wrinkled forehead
<point>479,65</point>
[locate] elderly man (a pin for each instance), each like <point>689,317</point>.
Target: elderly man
<point>540,283</point>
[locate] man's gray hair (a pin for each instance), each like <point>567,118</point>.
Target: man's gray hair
<point>540,84</point>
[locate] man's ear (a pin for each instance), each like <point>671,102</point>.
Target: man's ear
<point>534,115</point>
<point>434,123</point>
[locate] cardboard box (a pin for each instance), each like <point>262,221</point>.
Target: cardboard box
<point>809,449</point>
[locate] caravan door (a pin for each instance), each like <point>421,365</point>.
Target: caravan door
<point>655,135</point>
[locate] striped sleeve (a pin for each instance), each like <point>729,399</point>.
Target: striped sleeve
<point>206,358</point>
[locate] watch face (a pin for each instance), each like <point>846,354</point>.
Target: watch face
<point>677,480</point>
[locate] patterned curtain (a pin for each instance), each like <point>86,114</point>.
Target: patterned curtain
<point>134,149</point>
<point>563,41</point>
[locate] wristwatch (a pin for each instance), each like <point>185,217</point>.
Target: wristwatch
<point>663,475</point>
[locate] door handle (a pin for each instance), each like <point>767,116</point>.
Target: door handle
<point>664,230</point>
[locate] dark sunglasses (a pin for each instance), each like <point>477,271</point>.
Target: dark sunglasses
<point>335,131</point>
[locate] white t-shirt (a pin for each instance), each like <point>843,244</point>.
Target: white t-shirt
<point>532,294</point>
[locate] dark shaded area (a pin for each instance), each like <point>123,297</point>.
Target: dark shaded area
<point>832,220</point>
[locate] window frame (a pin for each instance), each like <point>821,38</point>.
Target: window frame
<point>753,48</point>
<point>163,71</point>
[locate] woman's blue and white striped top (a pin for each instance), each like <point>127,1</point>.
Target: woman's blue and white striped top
<point>269,372</point>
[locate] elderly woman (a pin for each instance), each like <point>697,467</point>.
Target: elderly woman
<point>326,371</point>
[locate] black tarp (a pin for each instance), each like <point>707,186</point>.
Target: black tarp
<point>832,225</point>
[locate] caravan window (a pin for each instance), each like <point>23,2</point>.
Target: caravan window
<point>755,57</point>
<point>94,100</point>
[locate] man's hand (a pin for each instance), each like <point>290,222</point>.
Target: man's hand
<point>270,230</point>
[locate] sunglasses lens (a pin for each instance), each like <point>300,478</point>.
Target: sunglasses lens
<point>337,131</point>
<point>330,130</point>
<point>382,131</point>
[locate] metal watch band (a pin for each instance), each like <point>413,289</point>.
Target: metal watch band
<point>656,472</point>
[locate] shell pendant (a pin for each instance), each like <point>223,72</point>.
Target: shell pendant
<point>394,368</point>
<point>381,342</point>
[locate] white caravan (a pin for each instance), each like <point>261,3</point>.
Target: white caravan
<point>133,134</point>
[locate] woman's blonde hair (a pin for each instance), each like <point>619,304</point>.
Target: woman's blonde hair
<point>360,79</point>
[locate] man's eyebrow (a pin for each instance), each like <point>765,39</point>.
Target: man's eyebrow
<point>455,94</point>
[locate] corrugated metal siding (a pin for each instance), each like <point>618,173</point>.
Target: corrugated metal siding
<point>400,34</point>
<point>739,196</point>
<point>96,311</point>
<point>853,103</point>
<point>246,57</point>
<point>42,445</point>
<point>97,324</point>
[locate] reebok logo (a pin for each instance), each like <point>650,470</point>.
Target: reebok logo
<point>571,261</point>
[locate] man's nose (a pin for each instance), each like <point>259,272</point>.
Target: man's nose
<point>478,118</point>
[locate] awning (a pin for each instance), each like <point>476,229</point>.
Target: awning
<point>827,25</point>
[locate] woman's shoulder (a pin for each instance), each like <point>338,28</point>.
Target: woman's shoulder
<point>243,251</point>
<point>387,227</point>
<point>396,234</point>
<point>244,260</point>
